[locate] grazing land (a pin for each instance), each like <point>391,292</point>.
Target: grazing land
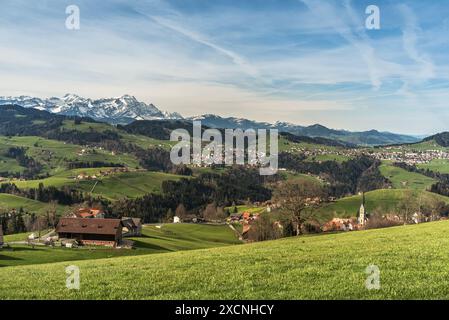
<point>436,165</point>
<point>411,261</point>
<point>403,179</point>
<point>113,187</point>
<point>155,239</point>
<point>9,202</point>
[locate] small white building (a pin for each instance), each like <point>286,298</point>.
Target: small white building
<point>176,219</point>
<point>416,218</point>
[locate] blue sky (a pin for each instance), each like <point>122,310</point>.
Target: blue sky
<point>301,61</point>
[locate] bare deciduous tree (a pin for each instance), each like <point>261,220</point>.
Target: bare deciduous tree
<point>300,200</point>
<point>181,211</point>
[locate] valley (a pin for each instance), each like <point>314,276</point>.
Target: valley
<point>223,218</point>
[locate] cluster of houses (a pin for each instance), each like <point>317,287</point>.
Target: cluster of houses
<point>245,219</point>
<point>410,157</point>
<point>102,173</point>
<point>359,223</point>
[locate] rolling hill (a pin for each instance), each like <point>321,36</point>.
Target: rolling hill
<point>386,199</point>
<point>155,239</point>
<point>8,201</point>
<point>411,263</point>
<point>113,187</point>
<point>403,179</point>
<point>365,138</point>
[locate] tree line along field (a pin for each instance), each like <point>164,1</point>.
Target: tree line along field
<point>411,261</point>
<point>166,238</point>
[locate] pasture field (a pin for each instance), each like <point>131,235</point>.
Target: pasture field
<point>54,155</point>
<point>403,179</point>
<point>184,236</point>
<point>9,201</point>
<point>385,199</point>
<point>244,208</point>
<point>300,177</point>
<point>113,187</point>
<point>436,165</point>
<point>411,259</point>
<point>290,146</point>
<point>17,237</point>
<point>22,254</point>
<point>167,238</point>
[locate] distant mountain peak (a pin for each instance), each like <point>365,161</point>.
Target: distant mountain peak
<point>123,109</point>
<point>372,137</point>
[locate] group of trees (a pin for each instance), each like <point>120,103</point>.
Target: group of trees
<point>297,214</point>
<point>17,221</point>
<point>92,164</point>
<point>346,178</point>
<point>206,194</point>
<point>300,200</point>
<point>64,195</point>
<point>32,167</point>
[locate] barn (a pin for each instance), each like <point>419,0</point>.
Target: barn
<point>90,231</point>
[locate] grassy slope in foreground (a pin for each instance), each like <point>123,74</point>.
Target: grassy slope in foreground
<point>412,260</point>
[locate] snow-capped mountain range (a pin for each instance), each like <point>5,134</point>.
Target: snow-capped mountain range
<point>126,109</point>
<point>123,109</point>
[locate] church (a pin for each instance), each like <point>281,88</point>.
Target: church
<point>362,214</point>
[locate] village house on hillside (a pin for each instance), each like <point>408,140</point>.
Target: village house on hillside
<point>91,231</point>
<point>84,213</point>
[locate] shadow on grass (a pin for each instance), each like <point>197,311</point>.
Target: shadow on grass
<point>144,245</point>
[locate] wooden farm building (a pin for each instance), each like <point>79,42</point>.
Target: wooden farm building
<point>91,231</point>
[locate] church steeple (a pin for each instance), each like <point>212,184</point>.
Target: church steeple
<point>362,211</point>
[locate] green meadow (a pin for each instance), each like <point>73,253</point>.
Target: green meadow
<point>113,187</point>
<point>436,165</point>
<point>8,201</point>
<point>155,239</point>
<point>411,259</point>
<point>54,155</point>
<point>403,179</point>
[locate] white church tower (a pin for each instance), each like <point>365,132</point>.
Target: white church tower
<point>362,212</point>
